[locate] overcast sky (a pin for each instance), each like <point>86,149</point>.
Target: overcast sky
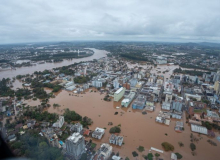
<point>145,20</point>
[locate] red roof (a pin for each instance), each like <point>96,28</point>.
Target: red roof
<point>86,132</point>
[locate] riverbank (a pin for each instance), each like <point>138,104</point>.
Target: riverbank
<point>41,67</point>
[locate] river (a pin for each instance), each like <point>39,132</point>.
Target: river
<point>41,67</point>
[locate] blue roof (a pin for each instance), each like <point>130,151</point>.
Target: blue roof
<point>61,142</point>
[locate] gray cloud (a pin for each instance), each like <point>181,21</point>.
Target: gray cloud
<point>161,20</point>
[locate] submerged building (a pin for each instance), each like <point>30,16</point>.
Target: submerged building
<point>119,94</point>
<point>104,152</point>
<point>139,102</point>
<point>117,140</point>
<point>126,101</point>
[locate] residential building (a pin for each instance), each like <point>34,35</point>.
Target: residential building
<point>76,128</point>
<point>59,122</point>
<point>97,83</point>
<point>75,145</point>
<point>126,101</point>
<point>104,152</point>
<point>98,133</point>
<point>117,140</point>
<point>119,94</point>
<point>139,102</point>
<point>115,83</point>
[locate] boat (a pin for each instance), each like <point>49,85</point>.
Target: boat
<point>118,107</point>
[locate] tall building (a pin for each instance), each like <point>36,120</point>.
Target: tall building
<point>97,83</point>
<point>119,94</point>
<point>115,83</point>
<point>75,145</point>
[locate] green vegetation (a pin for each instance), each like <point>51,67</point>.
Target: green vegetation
<point>192,146</point>
<point>179,156</point>
<point>86,121</point>
<point>140,148</point>
<point>40,93</point>
<point>32,146</point>
<point>55,87</point>
<point>44,116</point>
<point>135,154</point>
<point>115,129</point>
<point>70,116</point>
<point>150,156</point>
<point>190,72</point>
<point>4,89</point>
<point>134,57</point>
<point>181,144</point>
<point>157,155</point>
<point>93,145</point>
<point>81,79</point>
<point>167,146</point>
<point>127,158</point>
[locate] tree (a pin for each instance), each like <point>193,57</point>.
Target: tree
<point>167,146</point>
<point>115,129</point>
<point>192,146</point>
<point>150,156</point>
<point>135,154</point>
<point>127,158</point>
<point>140,149</point>
<point>179,156</point>
<point>157,155</point>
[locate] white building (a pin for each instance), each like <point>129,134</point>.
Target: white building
<point>75,145</point>
<point>161,60</point>
<point>98,133</point>
<point>97,83</point>
<point>119,94</point>
<point>76,128</point>
<point>117,140</point>
<point>59,122</point>
<point>116,84</point>
<point>104,152</point>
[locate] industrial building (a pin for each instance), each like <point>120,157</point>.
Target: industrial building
<point>75,145</point>
<point>119,94</point>
<point>139,102</point>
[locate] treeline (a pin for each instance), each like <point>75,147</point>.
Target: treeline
<point>134,57</point>
<point>41,116</point>
<point>190,72</point>
<point>192,66</point>
<point>5,90</point>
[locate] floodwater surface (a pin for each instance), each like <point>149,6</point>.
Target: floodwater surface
<point>136,128</point>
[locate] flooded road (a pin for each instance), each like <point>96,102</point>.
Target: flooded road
<point>41,67</point>
<point>137,129</point>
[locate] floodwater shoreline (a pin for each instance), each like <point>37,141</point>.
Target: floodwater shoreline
<point>41,67</point>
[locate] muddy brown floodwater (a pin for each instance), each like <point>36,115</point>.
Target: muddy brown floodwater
<point>136,128</point>
<point>41,67</point>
